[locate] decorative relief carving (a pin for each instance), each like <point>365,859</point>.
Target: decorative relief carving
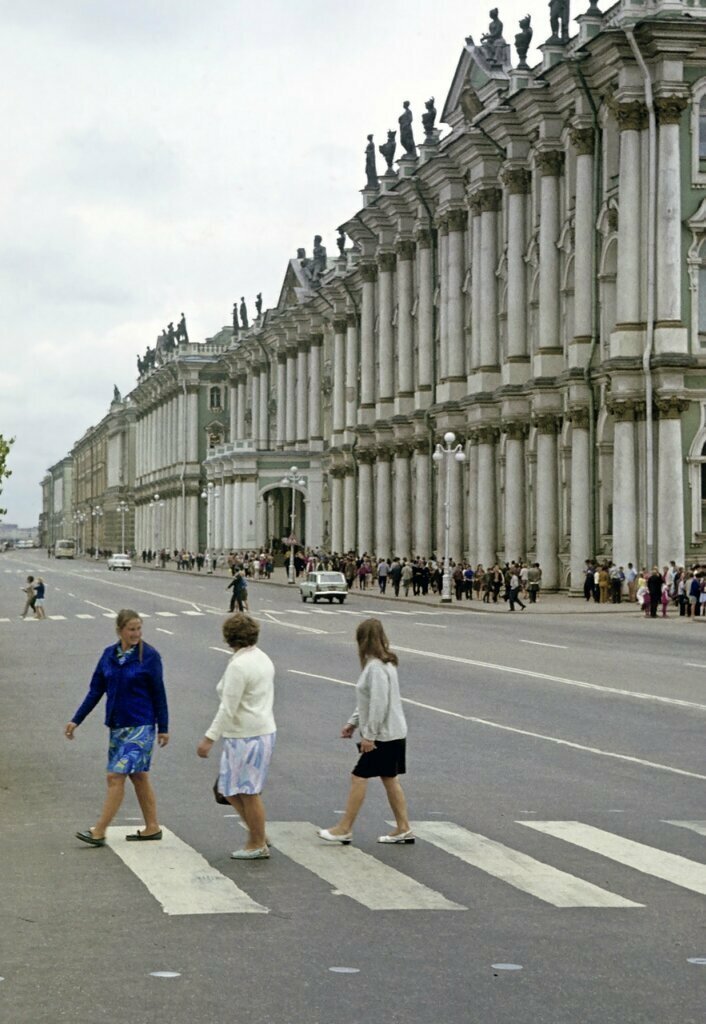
<point>631,117</point>
<point>383,452</point>
<point>369,272</point>
<point>546,423</point>
<point>365,456</point>
<point>316,338</point>
<point>671,407</point>
<point>421,445</point>
<point>424,238</point>
<point>458,220</point>
<point>515,430</point>
<point>403,449</point>
<point>583,141</point>
<point>486,435</point>
<point>517,181</point>
<point>550,163</point>
<point>406,249</point>
<point>670,109</point>
<point>622,409</point>
<point>387,261</point>
<point>474,205</point>
<point>579,417</point>
<point>491,200</point>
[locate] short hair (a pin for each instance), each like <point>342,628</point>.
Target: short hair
<point>240,630</point>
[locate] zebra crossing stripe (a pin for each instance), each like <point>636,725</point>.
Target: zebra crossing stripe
<point>353,873</point>
<point>670,867</point>
<point>517,869</point>
<point>180,878</point>
<point>57,618</point>
<point>83,615</point>
<point>167,615</point>
<point>187,612</point>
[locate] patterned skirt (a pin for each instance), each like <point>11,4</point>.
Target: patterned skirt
<point>244,764</point>
<point>130,749</point>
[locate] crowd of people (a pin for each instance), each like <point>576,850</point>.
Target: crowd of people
<point>673,586</point>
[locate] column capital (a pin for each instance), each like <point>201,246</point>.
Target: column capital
<point>383,452</point>
<point>420,445</point>
<point>622,410</point>
<point>442,223</point>
<point>387,262</point>
<point>631,117</point>
<point>458,219</point>
<point>550,162</point>
<point>316,339</point>
<point>369,272</point>
<point>364,456</point>
<point>583,140</point>
<point>337,472</point>
<point>424,237</point>
<point>516,430</point>
<point>546,423</point>
<point>351,318</point>
<point>517,180</point>
<point>303,344</point>
<point>474,205</point>
<point>671,407</point>
<point>403,449</point>
<point>491,200</point>
<point>340,323</point>
<point>485,435</point>
<point>670,109</point>
<point>579,417</point>
<point>406,248</point>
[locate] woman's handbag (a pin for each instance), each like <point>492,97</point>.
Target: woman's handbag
<point>220,799</point>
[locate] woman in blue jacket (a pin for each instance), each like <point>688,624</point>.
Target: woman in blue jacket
<point>129,673</point>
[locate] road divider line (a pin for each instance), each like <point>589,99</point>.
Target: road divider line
<point>558,741</point>
<point>101,607</point>
<point>537,643</point>
<point>543,881</point>
<point>670,867</point>
<point>355,874</point>
<point>694,826</point>
<point>158,629</point>
<point>179,878</point>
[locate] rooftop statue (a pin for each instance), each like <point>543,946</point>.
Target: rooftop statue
<point>181,332</point>
<point>116,393</point>
<point>429,118</point>
<point>406,134</point>
<point>559,14</point>
<point>492,42</point>
<point>341,240</point>
<point>319,260</point>
<point>371,172</point>
<point>236,324</point>
<point>243,313</point>
<point>172,337</point>
<point>388,150</point>
<point>523,40</point>
<point>258,304</point>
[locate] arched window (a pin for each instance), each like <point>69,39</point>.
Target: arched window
<point>702,129</point>
<point>698,133</point>
<point>215,398</point>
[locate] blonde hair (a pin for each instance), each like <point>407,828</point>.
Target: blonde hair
<point>373,643</point>
<point>124,616</point>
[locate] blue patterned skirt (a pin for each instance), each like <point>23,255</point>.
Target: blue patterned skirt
<point>244,764</point>
<point>130,749</point>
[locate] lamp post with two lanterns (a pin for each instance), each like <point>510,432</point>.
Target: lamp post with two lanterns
<point>97,514</point>
<point>157,505</point>
<point>122,509</point>
<point>79,519</point>
<point>448,452</point>
<point>209,494</point>
<point>292,479</point>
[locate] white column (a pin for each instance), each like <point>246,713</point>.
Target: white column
<point>581,540</point>
<point>549,164</point>
<point>517,184</point>
<point>281,398</point>
<point>490,204</point>
<point>350,536</point>
<point>624,484</point>
<point>315,432</point>
<point>402,519</point>
<point>383,504</point>
<point>337,517</point>
<point>486,502</point>
<point>264,419</point>
<point>425,310</point>
<point>387,261</point>
<point>351,373</point>
<point>365,502</point>
<point>422,499</point>
<point>515,502</point>
<point>455,476</point>
<point>443,278</point>
<point>669,226</point>
<point>291,396</point>
<point>338,419</point>
<point>630,121</point>
<point>547,501</point>
<point>228,514</point>
<point>455,312</point>
<point>240,414</point>
<point>583,141</point>
<point>179,522</point>
<point>192,421</point>
<point>405,323</point>
<point>255,405</point>
<point>472,505</point>
<point>303,394</point>
<point>238,513</point>
<point>367,337</point>
<point>233,402</point>
<point>476,284</point>
<point>670,483</point>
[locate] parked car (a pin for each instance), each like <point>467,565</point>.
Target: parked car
<point>324,584</point>
<point>119,561</point>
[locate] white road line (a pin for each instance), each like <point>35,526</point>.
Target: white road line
<point>523,732</point>
<point>7,620</point>
<point>694,664</point>
<point>431,625</point>
<point>223,650</point>
<point>633,694</point>
<point>353,873</point>
<point>688,874</point>
<point>84,616</point>
<point>187,612</point>
<point>167,615</point>
<point>536,643</point>
<point>168,631</point>
<point>57,618</point>
<point>292,625</point>
<point>517,869</point>
<point>102,607</point>
<point>694,826</point>
<point>144,615</point>
<point>180,878</point>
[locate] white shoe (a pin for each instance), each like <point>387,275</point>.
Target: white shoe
<point>402,837</point>
<point>329,837</point>
<point>260,854</point>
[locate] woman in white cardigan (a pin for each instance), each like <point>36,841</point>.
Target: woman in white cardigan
<point>383,731</point>
<point>245,721</point>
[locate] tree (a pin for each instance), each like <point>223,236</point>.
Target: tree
<point>4,471</point>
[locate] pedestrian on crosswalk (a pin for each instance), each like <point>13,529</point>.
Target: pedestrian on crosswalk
<point>245,721</point>
<point>130,675</point>
<point>383,731</point>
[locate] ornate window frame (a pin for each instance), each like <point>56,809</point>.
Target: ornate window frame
<point>698,164</point>
<point>694,461</point>
<point>696,262</point>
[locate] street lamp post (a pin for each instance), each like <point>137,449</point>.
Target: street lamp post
<point>97,514</point>
<point>122,508</point>
<point>292,479</point>
<point>447,452</point>
<point>79,519</point>
<point>157,505</point>
<point>209,494</point>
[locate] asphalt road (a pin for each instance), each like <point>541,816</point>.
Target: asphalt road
<point>519,726</point>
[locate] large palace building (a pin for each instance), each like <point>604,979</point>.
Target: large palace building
<point>533,280</point>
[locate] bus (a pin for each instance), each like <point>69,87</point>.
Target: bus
<point>64,549</point>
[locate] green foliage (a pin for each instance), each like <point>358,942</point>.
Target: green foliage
<point>4,471</point>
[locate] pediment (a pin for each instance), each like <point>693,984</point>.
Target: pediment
<point>296,287</point>
<point>474,85</point>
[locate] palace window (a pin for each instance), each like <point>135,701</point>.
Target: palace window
<point>215,398</point>
<point>696,262</point>
<point>698,134</point>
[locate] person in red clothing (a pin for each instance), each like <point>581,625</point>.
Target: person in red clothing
<point>129,673</point>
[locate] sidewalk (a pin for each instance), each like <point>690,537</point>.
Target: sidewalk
<point>548,603</point>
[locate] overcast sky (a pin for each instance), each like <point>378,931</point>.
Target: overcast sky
<point>162,156</point>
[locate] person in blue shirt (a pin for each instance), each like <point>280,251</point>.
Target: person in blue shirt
<point>129,673</point>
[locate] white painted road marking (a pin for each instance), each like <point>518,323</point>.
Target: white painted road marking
<point>180,878</point>
<point>688,874</point>
<point>83,616</point>
<point>536,643</point>
<point>353,873</point>
<point>167,615</point>
<point>521,732</point>
<point>187,612</point>
<point>159,630</point>
<point>694,826</point>
<point>57,618</point>
<point>517,869</point>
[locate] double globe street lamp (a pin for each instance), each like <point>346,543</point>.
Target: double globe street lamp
<point>122,509</point>
<point>97,514</point>
<point>292,479</point>
<point>157,505</point>
<point>448,452</point>
<point>79,519</point>
<point>210,494</point>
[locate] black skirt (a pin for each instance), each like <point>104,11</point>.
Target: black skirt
<point>387,760</point>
